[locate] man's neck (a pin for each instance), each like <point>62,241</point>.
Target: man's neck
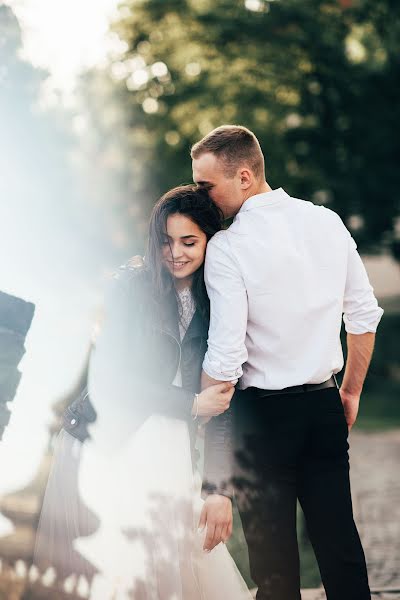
<point>261,188</point>
<point>264,187</point>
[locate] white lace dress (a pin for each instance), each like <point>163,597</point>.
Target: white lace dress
<point>148,546</point>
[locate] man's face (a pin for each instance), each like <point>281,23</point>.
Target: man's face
<point>208,172</point>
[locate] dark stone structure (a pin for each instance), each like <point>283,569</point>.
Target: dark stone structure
<point>61,572</point>
<point>15,320</point>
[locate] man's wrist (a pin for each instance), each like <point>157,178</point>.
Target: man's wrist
<point>349,393</point>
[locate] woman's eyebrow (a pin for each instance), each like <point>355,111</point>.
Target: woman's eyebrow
<point>183,237</point>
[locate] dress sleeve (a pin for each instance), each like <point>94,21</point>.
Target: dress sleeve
<point>218,456</point>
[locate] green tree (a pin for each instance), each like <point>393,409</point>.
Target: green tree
<point>315,80</point>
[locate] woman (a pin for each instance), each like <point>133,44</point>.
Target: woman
<point>144,384</point>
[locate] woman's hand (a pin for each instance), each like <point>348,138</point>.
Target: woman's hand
<point>217,516</point>
<point>214,400</point>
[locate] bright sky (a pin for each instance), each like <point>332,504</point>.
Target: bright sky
<point>65,36</point>
<point>44,238</point>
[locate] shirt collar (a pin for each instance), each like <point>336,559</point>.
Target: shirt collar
<point>264,199</point>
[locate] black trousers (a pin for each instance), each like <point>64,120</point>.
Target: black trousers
<point>290,447</point>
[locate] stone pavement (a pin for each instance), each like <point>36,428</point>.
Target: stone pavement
<point>375,481</point>
<point>375,478</point>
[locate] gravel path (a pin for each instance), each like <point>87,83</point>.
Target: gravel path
<point>375,480</point>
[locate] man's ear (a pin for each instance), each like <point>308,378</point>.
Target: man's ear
<point>246,178</point>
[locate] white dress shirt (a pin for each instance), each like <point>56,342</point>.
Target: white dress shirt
<point>279,279</point>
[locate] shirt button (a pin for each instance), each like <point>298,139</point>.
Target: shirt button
<point>73,421</point>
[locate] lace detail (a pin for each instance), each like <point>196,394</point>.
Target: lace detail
<point>187,309</point>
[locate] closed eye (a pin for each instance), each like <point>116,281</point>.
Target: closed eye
<point>205,185</point>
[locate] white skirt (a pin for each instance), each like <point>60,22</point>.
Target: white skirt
<point>148,501</point>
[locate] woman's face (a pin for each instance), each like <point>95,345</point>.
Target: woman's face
<point>184,247</point>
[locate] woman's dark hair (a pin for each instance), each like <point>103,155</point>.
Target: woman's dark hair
<point>195,204</point>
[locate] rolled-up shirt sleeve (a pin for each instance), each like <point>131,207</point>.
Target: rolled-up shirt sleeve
<point>361,313</point>
<point>229,309</point>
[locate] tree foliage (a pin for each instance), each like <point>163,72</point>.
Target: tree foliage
<point>316,81</point>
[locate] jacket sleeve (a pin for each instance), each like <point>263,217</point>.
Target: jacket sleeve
<point>218,456</point>
<point>121,392</point>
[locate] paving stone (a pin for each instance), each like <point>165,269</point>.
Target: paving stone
<point>375,482</point>
<point>375,460</point>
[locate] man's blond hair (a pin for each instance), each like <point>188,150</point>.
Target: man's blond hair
<point>235,146</point>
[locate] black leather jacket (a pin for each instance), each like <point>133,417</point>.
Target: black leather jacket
<point>132,368</point>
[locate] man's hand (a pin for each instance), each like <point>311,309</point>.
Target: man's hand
<point>359,353</point>
<point>350,405</point>
<point>217,516</point>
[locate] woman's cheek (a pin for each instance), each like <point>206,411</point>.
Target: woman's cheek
<point>198,256</point>
<point>166,253</point>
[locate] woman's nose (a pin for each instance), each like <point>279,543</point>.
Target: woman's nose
<point>176,251</point>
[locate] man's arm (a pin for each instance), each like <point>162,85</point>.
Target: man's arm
<point>223,362</point>
<point>361,317</point>
<point>359,354</point>
<point>207,381</point>
<point>228,315</point>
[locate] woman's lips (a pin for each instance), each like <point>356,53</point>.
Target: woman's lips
<point>177,266</point>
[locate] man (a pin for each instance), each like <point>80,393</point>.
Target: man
<point>279,280</point>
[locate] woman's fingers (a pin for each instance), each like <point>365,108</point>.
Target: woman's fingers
<point>217,536</point>
<point>219,521</point>
<point>215,400</point>
<point>214,538</point>
<point>223,387</point>
<point>227,532</point>
<point>230,529</point>
<point>208,542</point>
<point>224,534</point>
<point>226,399</point>
<point>203,518</point>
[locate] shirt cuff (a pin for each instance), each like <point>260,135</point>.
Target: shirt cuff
<point>360,326</point>
<point>220,372</point>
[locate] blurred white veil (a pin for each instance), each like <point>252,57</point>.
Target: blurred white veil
<point>128,519</point>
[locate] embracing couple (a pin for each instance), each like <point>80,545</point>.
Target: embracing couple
<point>230,338</point>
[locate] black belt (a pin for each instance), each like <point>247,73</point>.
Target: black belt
<point>295,389</point>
